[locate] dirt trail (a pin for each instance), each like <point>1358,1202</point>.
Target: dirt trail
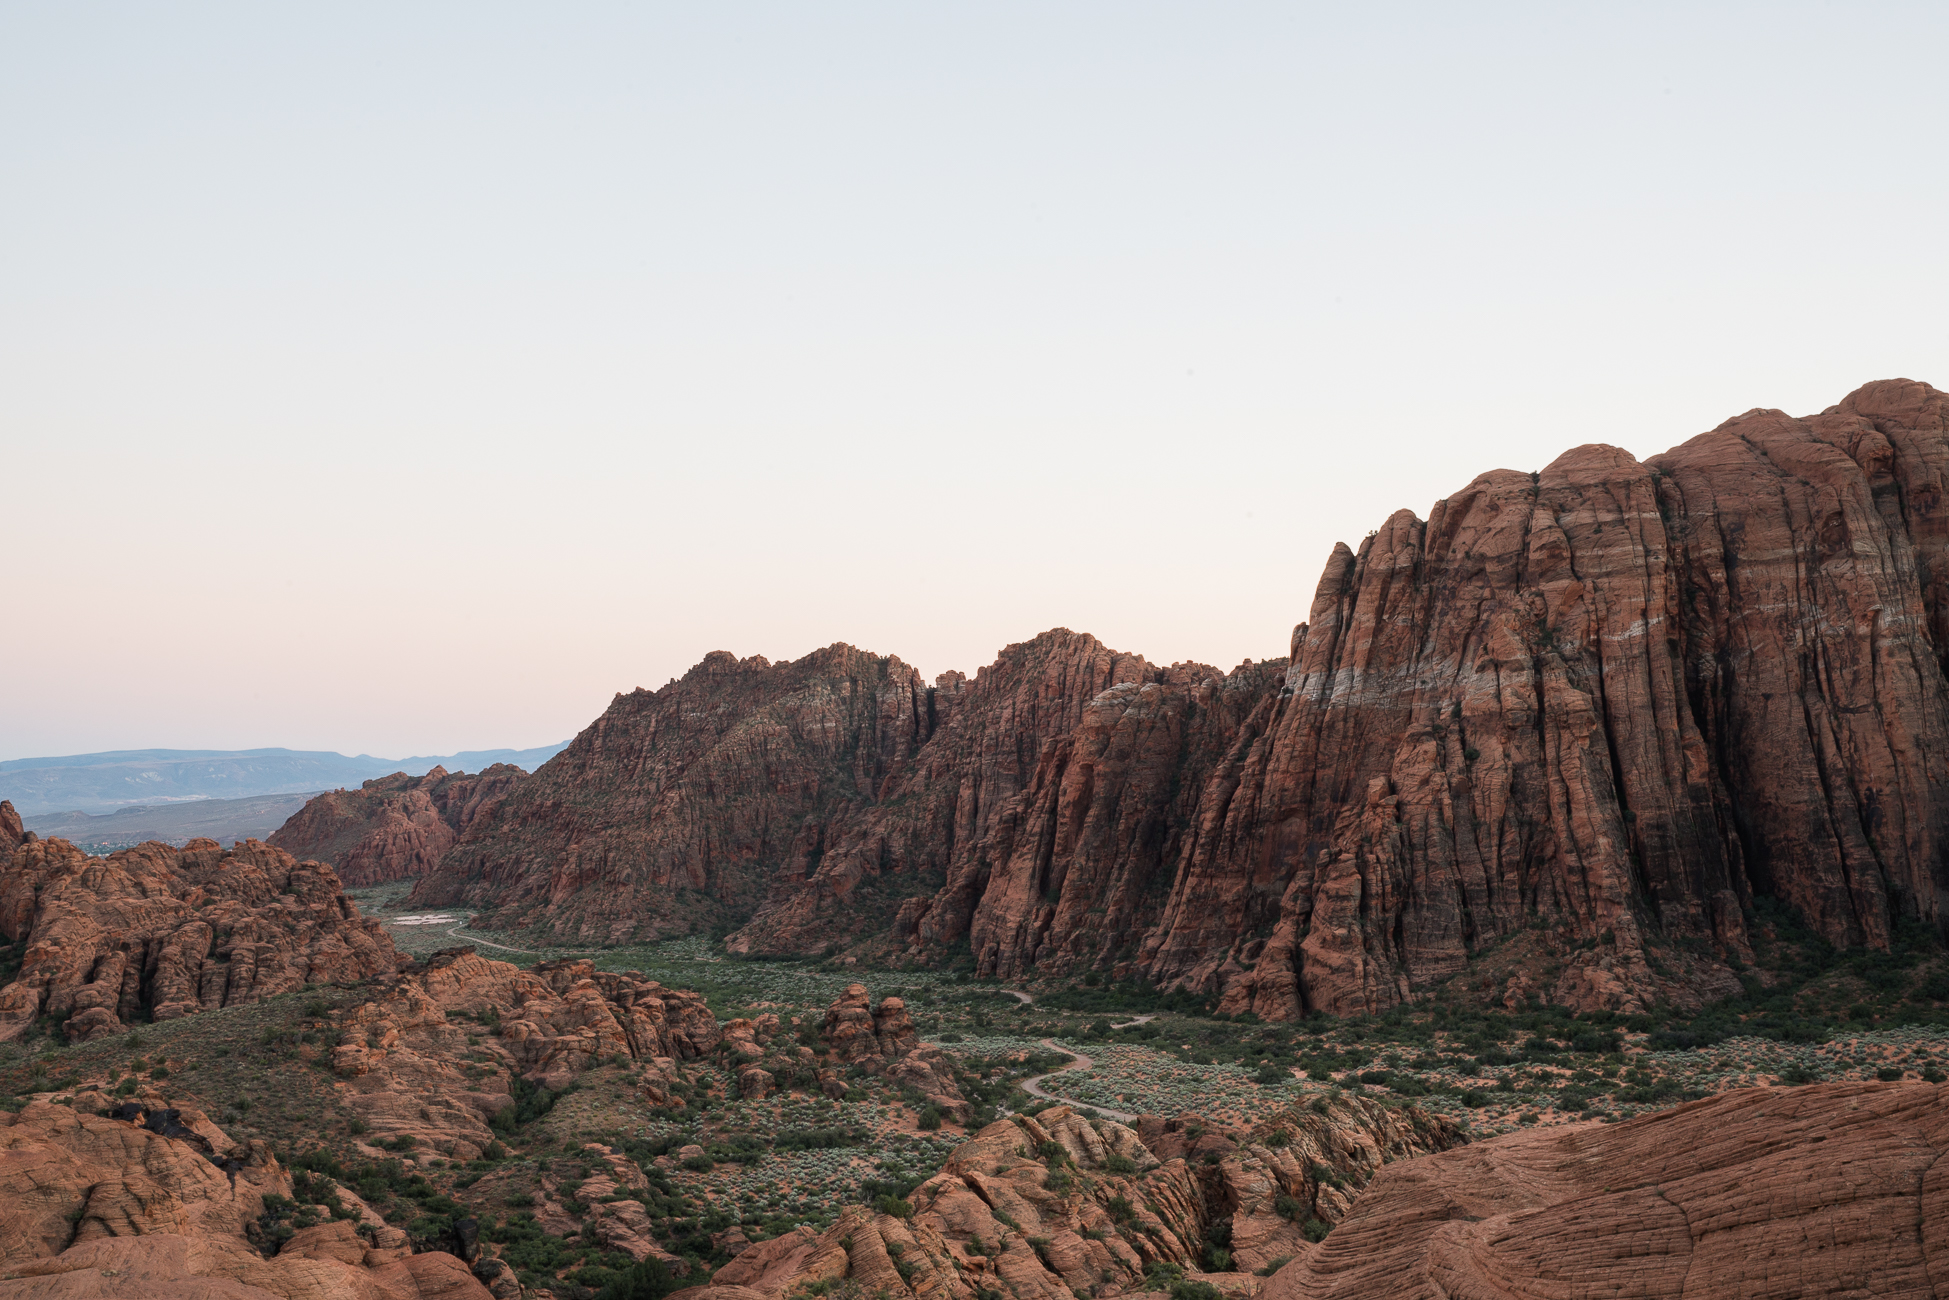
<point>482,943</point>
<point>1033,1086</point>
<point>1134,1021</point>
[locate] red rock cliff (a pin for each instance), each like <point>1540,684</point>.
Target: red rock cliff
<point>396,826</point>
<point>1597,709</point>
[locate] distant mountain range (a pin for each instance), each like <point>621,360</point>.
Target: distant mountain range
<point>223,820</point>
<point>97,783</point>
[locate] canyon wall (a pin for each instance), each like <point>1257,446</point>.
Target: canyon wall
<point>394,826</point>
<point>1585,715</point>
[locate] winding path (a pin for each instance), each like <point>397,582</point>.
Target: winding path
<point>1078,1061</point>
<point>1033,1085</point>
<point>482,943</point>
<point>1029,1001</point>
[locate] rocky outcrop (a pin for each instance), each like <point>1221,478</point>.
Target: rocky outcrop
<point>411,1070</point>
<point>100,1207</point>
<point>885,1040</point>
<point>1604,706</point>
<point>1835,1189</point>
<point>1051,1205</point>
<point>12,833</point>
<point>674,810</point>
<point>157,932</point>
<point>396,826</point>
<point>857,1031</point>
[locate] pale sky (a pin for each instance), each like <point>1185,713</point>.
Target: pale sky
<point>409,378</point>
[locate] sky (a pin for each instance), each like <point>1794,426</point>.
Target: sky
<point>408,378</point>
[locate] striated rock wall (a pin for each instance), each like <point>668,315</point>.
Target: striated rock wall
<point>395,826</point>
<point>1835,1189</point>
<point>1604,706</point>
<point>1618,699</point>
<point>156,932</point>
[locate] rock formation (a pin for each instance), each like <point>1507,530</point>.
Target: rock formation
<point>856,1031</point>
<point>885,1041</point>
<point>158,932</point>
<point>1604,707</point>
<point>395,826</point>
<point>101,1207</point>
<point>837,793</point>
<point>1835,1189</point>
<point>1046,1206</point>
<point>12,834</point>
<point>411,1071</point>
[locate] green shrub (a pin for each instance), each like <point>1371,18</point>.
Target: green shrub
<point>1122,1165</point>
<point>1315,1230</point>
<point>649,1280</point>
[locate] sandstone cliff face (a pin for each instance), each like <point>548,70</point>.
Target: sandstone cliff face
<point>1831,1190</point>
<point>1623,699</point>
<point>395,826</point>
<point>158,932</point>
<point>1048,1206</point>
<point>1608,704</point>
<point>676,807</point>
<point>838,795</point>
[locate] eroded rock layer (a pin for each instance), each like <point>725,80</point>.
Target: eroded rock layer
<point>395,826</point>
<point>1598,709</point>
<point>156,932</point>
<point>1049,1206</point>
<point>98,1207</point>
<point>1837,1189</point>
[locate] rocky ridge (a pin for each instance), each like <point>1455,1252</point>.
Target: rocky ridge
<point>1046,1206</point>
<point>1597,710</point>
<point>393,827</point>
<point>1833,1189</point>
<point>157,932</point>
